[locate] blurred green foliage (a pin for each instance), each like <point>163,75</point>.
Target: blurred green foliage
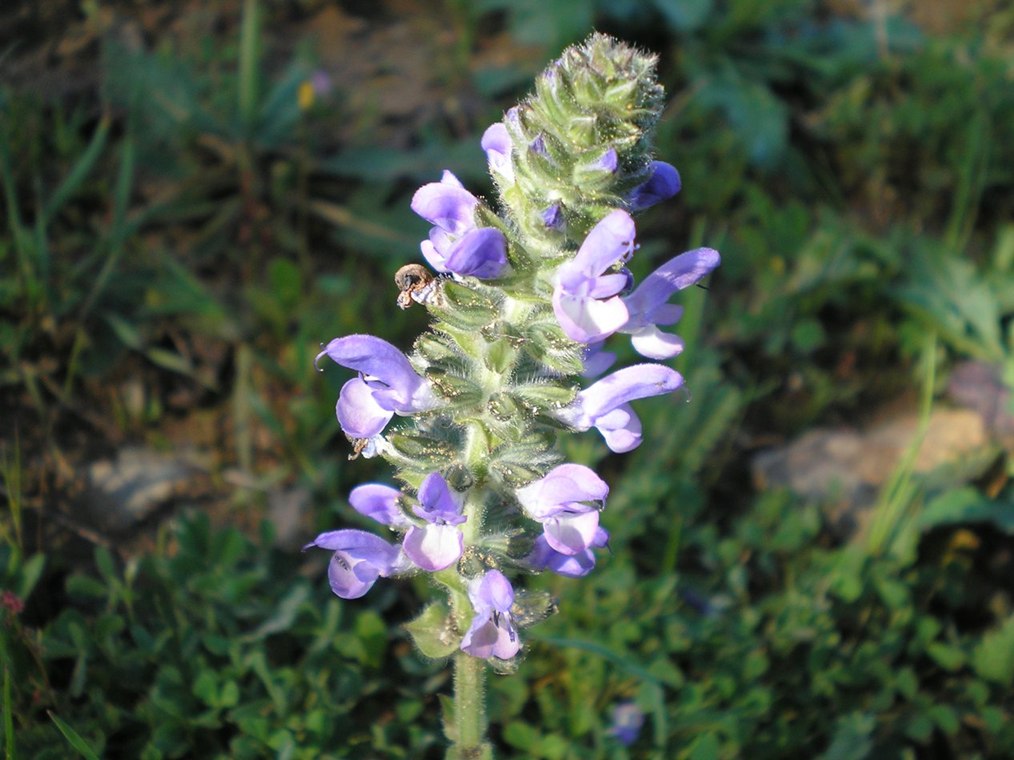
<point>196,228</point>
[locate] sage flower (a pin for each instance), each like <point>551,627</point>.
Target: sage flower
<point>492,632</point>
<point>627,722</point>
<point>496,141</point>
<point>359,559</point>
<point>455,243</point>
<point>663,184</point>
<point>577,565</point>
<point>586,297</point>
<point>605,406</point>
<point>386,385</point>
<point>437,543</point>
<point>648,305</point>
<point>380,503</point>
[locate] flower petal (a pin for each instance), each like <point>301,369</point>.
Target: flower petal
<point>597,361</point>
<point>663,184</point>
<point>491,633</point>
<point>359,559</point>
<point>436,501</point>
<point>379,502</point>
<point>678,273</point>
<point>359,414</point>
<point>481,252</point>
<point>350,578</point>
<point>496,140</point>
<point>563,485</point>
<point>571,534</point>
<point>544,557</point>
<point>651,342</point>
<point>434,547</point>
<point>609,241</point>
<point>621,429</point>
<point>587,320</point>
<point>485,639</point>
<point>384,368</point>
<point>497,143</point>
<point>627,384</point>
<point>446,204</point>
<point>492,591</point>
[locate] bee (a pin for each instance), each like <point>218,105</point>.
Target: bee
<point>415,283</point>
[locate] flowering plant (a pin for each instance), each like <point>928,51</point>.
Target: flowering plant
<point>525,296</point>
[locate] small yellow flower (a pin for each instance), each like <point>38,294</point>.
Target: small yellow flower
<point>305,96</point>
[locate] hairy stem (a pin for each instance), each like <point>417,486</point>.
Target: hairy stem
<point>470,709</point>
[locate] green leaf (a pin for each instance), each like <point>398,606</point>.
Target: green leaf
<point>685,15</point>
<point>756,115</point>
<point>520,735</point>
<point>372,632</point>
<point>31,571</point>
<point>993,656</point>
<point>284,615</point>
<point>433,632</point>
<point>73,737</point>
<point>966,505</point>
<point>946,719</point>
<point>948,657</point>
<point>852,739</point>
<point>705,747</point>
<point>78,173</point>
<point>544,396</point>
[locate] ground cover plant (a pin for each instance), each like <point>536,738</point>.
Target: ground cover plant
<point>215,194</point>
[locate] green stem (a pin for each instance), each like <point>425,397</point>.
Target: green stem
<point>469,709</point>
<point>468,739</point>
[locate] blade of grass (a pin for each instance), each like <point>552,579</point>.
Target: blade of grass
<point>115,241</point>
<point>18,231</point>
<point>73,737</point>
<point>10,470</point>
<point>249,50</point>
<point>80,171</point>
<point>892,510</point>
<point>10,751</point>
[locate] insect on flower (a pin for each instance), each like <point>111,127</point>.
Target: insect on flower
<point>415,283</point>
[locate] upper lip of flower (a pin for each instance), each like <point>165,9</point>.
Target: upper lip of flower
<point>605,403</point>
<point>663,184</point>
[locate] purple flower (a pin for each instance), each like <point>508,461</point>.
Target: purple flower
<point>648,305</point>
<point>438,543</point>
<point>497,143</point>
<point>386,384</point>
<point>597,361</point>
<point>605,403</point>
<point>491,634</point>
<point>552,216</point>
<point>627,722</point>
<point>607,162</point>
<point>561,488</point>
<point>538,146</point>
<point>359,559</point>
<point>455,243</point>
<point>557,501</point>
<point>585,299</point>
<point>663,184</point>
<point>545,557</point>
<point>379,502</point>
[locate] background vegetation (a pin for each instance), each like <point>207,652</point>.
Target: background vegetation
<point>196,195</point>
